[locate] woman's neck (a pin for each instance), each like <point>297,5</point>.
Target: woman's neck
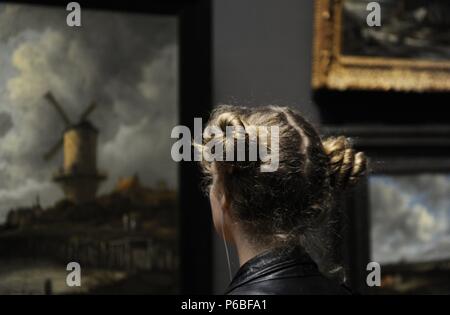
<point>246,250</point>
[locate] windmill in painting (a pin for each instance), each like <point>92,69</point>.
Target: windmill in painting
<point>79,177</point>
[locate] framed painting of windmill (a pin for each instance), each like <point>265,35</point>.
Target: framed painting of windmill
<point>86,174</point>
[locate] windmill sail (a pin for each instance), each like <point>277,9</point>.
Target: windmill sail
<point>88,111</point>
<point>52,152</point>
<point>58,107</point>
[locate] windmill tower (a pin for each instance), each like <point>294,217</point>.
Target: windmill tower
<point>78,177</point>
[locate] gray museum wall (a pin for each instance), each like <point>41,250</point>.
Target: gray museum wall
<point>261,55</point>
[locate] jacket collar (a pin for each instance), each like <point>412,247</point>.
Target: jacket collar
<point>271,261</point>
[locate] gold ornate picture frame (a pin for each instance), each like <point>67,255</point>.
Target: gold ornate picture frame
<point>332,69</point>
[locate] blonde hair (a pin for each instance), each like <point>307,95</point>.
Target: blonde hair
<point>296,200</point>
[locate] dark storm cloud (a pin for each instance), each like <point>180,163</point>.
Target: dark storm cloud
<point>5,123</point>
<point>126,63</point>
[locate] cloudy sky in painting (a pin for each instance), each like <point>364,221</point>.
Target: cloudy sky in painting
<point>410,217</point>
<point>126,62</point>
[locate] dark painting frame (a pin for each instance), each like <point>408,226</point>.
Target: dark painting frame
<point>194,29</point>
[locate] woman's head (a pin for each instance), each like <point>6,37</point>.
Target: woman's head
<point>284,205</point>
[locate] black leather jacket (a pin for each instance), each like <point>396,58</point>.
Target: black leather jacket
<point>282,271</point>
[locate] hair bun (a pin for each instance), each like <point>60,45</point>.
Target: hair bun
<point>346,166</point>
<point>226,116</point>
<point>229,119</point>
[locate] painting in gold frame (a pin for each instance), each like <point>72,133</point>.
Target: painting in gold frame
<point>412,64</point>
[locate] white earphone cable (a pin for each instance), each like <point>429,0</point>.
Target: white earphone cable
<point>226,248</point>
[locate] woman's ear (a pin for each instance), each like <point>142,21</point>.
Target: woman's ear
<point>217,203</point>
<point>227,218</point>
<point>220,205</point>
<point>225,204</point>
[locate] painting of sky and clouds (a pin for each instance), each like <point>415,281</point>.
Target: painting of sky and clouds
<point>125,62</point>
<point>410,218</point>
